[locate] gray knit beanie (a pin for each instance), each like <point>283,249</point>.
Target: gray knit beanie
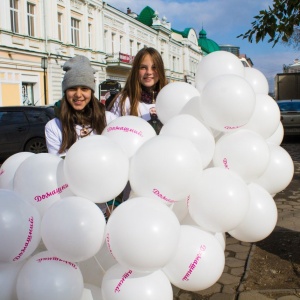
<point>78,73</point>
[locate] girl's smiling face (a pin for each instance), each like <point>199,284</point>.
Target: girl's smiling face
<point>79,97</point>
<point>148,75</point>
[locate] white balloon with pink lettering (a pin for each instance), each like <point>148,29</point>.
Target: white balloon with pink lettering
<point>121,283</point>
<point>164,168</point>
<point>199,260</point>
<point>41,181</point>
<point>19,227</point>
<point>46,276</point>
<point>129,132</point>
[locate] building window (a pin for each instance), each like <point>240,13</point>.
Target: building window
<point>131,47</point>
<point>27,94</point>
<point>113,43</point>
<point>30,18</point>
<point>174,63</point>
<point>75,31</point>
<point>105,40</point>
<point>14,15</point>
<point>121,41</point>
<point>90,35</point>
<point>59,26</point>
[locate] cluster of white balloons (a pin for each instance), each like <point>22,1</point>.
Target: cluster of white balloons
<point>213,169</point>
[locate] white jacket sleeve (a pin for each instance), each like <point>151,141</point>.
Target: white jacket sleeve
<point>109,117</point>
<point>116,108</point>
<point>53,136</point>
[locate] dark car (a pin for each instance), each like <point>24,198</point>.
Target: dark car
<point>22,128</point>
<point>290,116</point>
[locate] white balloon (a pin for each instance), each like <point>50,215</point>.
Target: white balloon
<point>39,181</point>
<point>244,152</point>
<point>121,283</point>
<point>257,80</point>
<point>45,276</point>
<point>8,279</point>
<point>193,108</point>
<point>96,168</point>
<point>266,116</point>
<point>9,167</point>
<point>279,172</point>
<point>95,290</point>
<point>164,168</point>
<point>172,98</point>
<point>227,102</point>
<point>129,132</point>
<point>221,237</point>
<point>189,127</point>
<point>219,201</point>
<point>180,209</point>
<point>19,227</point>
<point>73,228</point>
<point>199,260</point>
<point>277,137</point>
<point>215,64</point>
<point>260,219</point>
<point>142,234</point>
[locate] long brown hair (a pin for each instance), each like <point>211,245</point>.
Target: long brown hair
<point>93,115</point>
<point>133,87</point>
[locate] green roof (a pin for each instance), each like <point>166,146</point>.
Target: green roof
<point>146,16</point>
<point>184,33</point>
<point>206,44</point>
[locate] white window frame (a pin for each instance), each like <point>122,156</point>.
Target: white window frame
<point>14,15</point>
<point>30,19</point>
<point>90,35</point>
<point>75,31</point>
<point>60,26</point>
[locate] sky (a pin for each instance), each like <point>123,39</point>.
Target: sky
<point>223,21</point>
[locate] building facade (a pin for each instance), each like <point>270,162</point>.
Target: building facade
<point>38,36</point>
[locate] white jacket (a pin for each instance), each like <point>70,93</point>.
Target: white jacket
<point>53,133</point>
<point>143,108</point>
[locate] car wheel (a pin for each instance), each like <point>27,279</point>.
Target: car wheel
<point>36,145</point>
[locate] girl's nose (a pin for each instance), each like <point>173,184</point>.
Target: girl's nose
<point>78,92</point>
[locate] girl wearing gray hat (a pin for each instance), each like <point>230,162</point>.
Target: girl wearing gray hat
<point>80,113</point>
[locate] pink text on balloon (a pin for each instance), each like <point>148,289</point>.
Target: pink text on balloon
<point>188,200</point>
<point>124,277</point>
<point>193,265</point>
<point>1,172</point>
<point>54,258</point>
<point>28,240</point>
<point>52,193</point>
<point>125,129</point>
<point>108,244</point>
<point>225,162</point>
<point>233,127</point>
<point>157,193</point>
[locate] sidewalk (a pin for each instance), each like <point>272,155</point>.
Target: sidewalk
<point>239,254</point>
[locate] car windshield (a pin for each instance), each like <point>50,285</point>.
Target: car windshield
<point>289,106</point>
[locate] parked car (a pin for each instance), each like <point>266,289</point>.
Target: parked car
<point>290,116</point>
<point>22,128</point>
